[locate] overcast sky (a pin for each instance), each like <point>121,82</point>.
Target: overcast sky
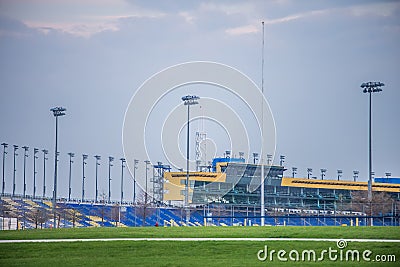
<point>91,56</point>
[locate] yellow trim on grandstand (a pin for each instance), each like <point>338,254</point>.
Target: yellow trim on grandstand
<point>334,184</point>
<point>95,218</point>
<point>175,182</point>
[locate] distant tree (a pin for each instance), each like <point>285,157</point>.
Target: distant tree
<point>39,216</point>
<point>143,207</point>
<point>103,201</point>
<point>116,214</point>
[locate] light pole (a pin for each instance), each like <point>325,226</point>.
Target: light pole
<point>339,174</point>
<point>84,157</point>
<point>110,160</point>
<point>269,159</point>
<point>35,157</point>
<point>255,157</point>
<point>323,171</point>
<point>309,172</point>
<point>122,178</point>
<point>135,163</point>
<point>71,155</point>
<point>57,112</point>
<point>371,87</point>
<point>26,149</point>
<point>294,171</point>
<point>4,163</point>
<point>188,100</point>
<point>45,152</point>
<point>388,174</point>
<point>97,164</point>
<point>145,193</point>
<point>355,175</point>
<point>14,171</point>
<point>282,160</point>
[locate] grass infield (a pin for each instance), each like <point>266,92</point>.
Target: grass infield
<point>207,253</point>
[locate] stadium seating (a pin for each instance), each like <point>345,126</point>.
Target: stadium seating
<point>37,213</point>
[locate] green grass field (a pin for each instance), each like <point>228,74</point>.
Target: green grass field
<point>188,253</point>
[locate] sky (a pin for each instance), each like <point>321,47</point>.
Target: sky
<point>92,56</point>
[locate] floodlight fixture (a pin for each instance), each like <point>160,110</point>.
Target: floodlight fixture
<point>294,171</point>
<point>309,172</point>
<point>339,174</point>
<point>282,160</point>
<point>269,159</point>
<point>255,157</point>
<point>323,171</point>
<point>355,175</point>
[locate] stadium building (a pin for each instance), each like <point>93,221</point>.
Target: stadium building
<point>233,181</point>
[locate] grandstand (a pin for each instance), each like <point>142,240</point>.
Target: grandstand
<point>227,194</point>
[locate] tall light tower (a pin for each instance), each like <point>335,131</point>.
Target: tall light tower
<point>4,164</point>
<point>71,155</point>
<point>294,171</point>
<point>15,170</point>
<point>188,100</point>
<point>355,175</point>
<point>135,166</point>
<point>309,172</point>
<point>122,178</point>
<point>26,149</point>
<point>45,152</point>
<point>84,158</point>
<point>97,157</point>
<point>339,174</point>
<point>370,87</point>
<point>57,112</point>
<point>110,160</point>
<point>388,174</point>
<point>35,157</point>
<point>323,171</point>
